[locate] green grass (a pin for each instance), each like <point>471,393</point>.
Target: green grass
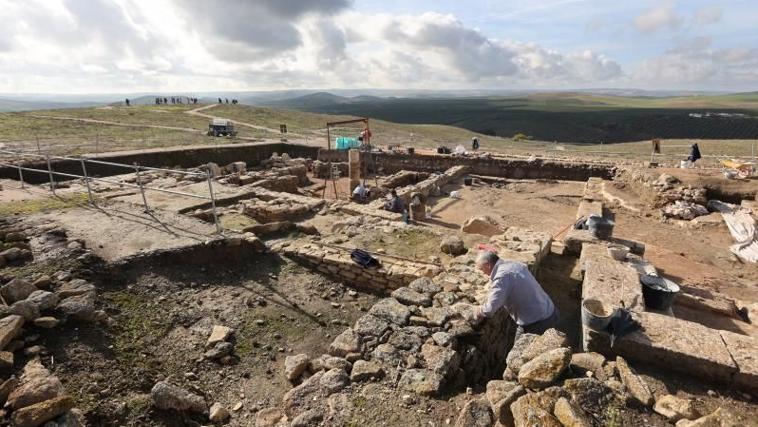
<point>28,207</point>
<point>141,322</point>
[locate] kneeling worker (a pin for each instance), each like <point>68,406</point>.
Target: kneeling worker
<point>514,288</point>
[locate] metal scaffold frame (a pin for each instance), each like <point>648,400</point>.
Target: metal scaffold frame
<point>88,179</point>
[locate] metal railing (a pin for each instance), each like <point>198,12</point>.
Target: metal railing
<point>135,167</point>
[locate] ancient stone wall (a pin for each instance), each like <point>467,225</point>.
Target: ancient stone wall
<point>425,187</point>
<point>252,154</point>
<point>388,163</point>
<point>403,178</point>
<point>272,206</point>
<point>322,170</point>
<point>333,261</point>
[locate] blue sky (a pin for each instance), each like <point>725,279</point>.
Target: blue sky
<point>133,45</point>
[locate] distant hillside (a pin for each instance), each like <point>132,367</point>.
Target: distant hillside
<point>320,100</point>
<point>562,116</point>
<point>9,105</point>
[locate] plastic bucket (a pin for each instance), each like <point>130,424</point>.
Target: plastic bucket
<point>659,293</point>
<point>599,227</point>
<point>618,252</point>
<point>468,180</point>
<point>595,316</point>
<point>411,150</point>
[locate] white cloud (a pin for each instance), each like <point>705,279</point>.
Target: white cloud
<point>708,15</point>
<point>697,61</point>
<point>662,16</point>
<point>173,45</point>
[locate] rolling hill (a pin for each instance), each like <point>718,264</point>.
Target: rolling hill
<point>564,116</point>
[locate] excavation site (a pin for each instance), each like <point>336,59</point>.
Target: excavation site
<point>276,284</point>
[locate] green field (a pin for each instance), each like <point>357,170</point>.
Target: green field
<point>565,117</point>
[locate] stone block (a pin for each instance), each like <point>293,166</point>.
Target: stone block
<point>575,240</point>
<point>587,208</point>
<point>10,327</point>
<point>671,343</point>
<point>609,281</point>
<point>744,352</point>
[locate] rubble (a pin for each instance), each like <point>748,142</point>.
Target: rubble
<point>168,396</point>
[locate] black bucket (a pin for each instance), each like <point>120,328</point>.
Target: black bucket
<point>600,227</point>
<point>468,180</point>
<point>411,150</point>
<point>659,293</point>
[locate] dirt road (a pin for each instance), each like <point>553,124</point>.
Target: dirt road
<point>197,112</point>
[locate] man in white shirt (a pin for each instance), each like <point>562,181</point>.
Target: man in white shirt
<point>515,289</point>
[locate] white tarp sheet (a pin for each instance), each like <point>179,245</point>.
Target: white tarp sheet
<point>741,225</point>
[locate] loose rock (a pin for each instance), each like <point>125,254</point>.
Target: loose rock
<point>218,413</point>
<point>453,245</point>
<point>476,413</point>
<point>168,396</point>
<point>544,370</point>
<point>294,366</point>
<point>636,386</point>
<point>675,408</point>
<point>363,370</point>
<point>334,380</point>
<point>570,415</point>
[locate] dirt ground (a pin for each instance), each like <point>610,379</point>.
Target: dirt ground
<point>162,317</point>
<point>163,313</point>
<point>115,230</point>
<point>540,205</point>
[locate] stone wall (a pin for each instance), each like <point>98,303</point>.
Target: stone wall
<point>321,169</point>
<point>333,261</point>
<point>250,153</point>
<point>388,163</point>
<point>423,335</point>
<point>403,178</point>
<point>426,187</point>
<point>271,206</point>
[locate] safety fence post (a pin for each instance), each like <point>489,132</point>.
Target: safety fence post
<point>50,171</point>
<point>86,181</point>
<point>213,201</point>
<point>141,188</point>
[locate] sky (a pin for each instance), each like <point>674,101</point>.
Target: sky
<point>128,46</point>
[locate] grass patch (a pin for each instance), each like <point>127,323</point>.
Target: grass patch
<point>414,244</point>
<point>236,221</point>
<point>28,207</point>
<point>250,334</point>
<point>141,322</point>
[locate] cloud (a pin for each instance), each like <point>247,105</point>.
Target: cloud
<point>242,30</point>
<point>168,45</point>
<point>697,61</point>
<point>708,15</point>
<point>662,16</point>
<point>442,39</point>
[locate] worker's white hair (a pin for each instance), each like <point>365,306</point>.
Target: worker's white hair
<point>486,257</point>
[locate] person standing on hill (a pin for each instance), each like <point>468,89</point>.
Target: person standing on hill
<point>694,153</point>
<point>474,144</point>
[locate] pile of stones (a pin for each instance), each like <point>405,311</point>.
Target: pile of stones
<point>545,384</point>
<point>43,303</point>
<point>38,398</point>
<point>14,247</point>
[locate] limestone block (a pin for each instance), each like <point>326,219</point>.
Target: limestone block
<point>10,327</point>
<point>744,351</point>
<point>610,281</point>
<point>671,343</point>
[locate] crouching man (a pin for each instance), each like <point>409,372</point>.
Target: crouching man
<point>514,288</point>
